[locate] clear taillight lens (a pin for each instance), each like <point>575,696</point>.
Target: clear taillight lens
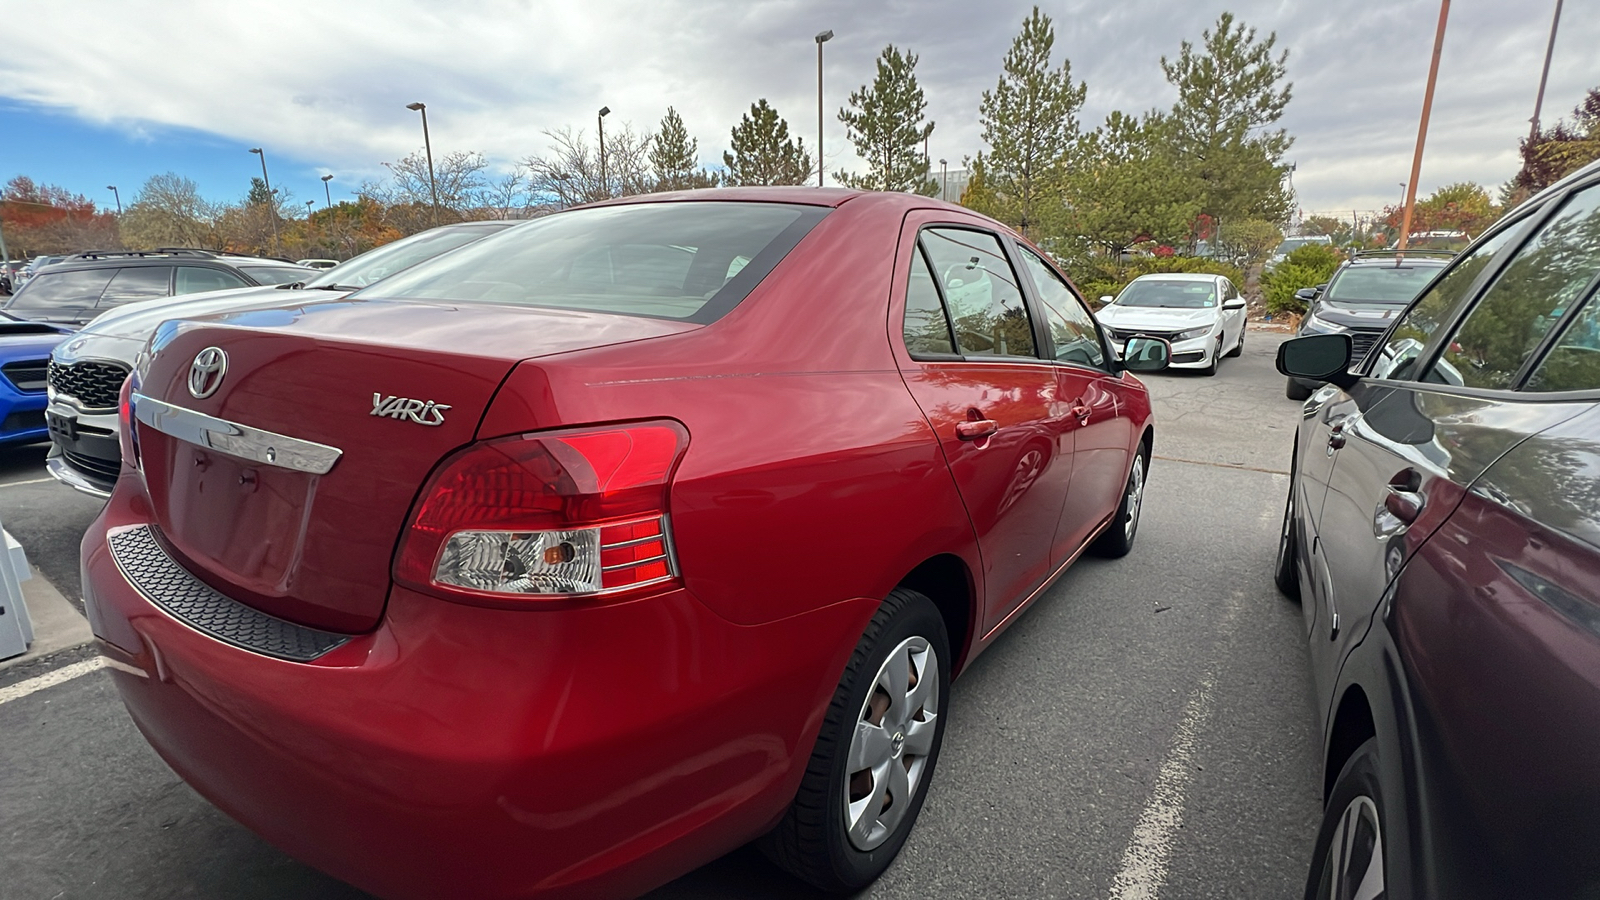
<point>570,513</point>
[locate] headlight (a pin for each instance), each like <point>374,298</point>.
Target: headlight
<point>1192,333</point>
<point>1313,325</point>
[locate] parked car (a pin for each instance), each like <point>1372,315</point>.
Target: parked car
<point>24,353</point>
<point>80,287</point>
<point>317,263</point>
<point>1291,244</point>
<point>87,371</point>
<point>569,561</point>
<point>1442,532</point>
<point>1362,298</point>
<point>1202,316</point>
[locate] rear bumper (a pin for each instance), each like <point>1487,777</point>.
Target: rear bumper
<point>461,751</point>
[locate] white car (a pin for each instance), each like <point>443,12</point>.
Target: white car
<point>1202,316</point>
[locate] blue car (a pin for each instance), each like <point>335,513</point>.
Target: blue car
<point>24,364</point>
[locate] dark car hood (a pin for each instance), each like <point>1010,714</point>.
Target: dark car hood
<point>1365,317</point>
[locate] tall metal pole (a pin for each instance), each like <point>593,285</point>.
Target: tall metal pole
<point>427,147</point>
<point>272,203</point>
<point>944,176</point>
<point>600,122</point>
<point>1538,102</point>
<point>1422,127</point>
<point>822,38</point>
<point>325,192</point>
<point>113,189</point>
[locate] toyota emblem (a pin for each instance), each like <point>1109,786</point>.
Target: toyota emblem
<point>205,373</point>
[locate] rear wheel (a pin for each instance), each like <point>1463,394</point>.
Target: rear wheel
<point>1348,860</point>
<point>1117,539</point>
<point>1294,390</point>
<point>875,754</point>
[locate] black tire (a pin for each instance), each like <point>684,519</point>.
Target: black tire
<point>1354,823</point>
<point>1238,349</point>
<point>1216,359</point>
<point>812,842</point>
<point>1294,390</point>
<point>1286,568</point>
<point>1117,539</point>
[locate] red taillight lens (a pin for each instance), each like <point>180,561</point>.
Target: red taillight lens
<point>552,514</point>
<point>127,440</point>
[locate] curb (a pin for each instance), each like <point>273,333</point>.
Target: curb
<point>57,624</point>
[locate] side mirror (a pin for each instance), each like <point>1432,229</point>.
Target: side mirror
<point>1306,294</point>
<point>1146,354</point>
<point>1235,303</point>
<point>1106,298</point>
<point>1317,357</point>
<point>1321,287</point>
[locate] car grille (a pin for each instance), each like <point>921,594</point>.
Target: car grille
<point>96,385</point>
<point>22,421</point>
<point>101,469</point>
<point>1361,343</point>
<point>170,586</point>
<point>26,375</point>
<point>1122,334</point>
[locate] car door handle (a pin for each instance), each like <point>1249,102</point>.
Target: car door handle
<point>1404,499</point>
<point>1336,436</point>
<point>977,429</point>
<point>1082,412</point>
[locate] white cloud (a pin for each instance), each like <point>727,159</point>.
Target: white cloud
<point>327,83</point>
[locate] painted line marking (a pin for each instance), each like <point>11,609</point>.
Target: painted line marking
<point>1144,862</point>
<point>1221,465</point>
<point>29,481</point>
<point>50,679</point>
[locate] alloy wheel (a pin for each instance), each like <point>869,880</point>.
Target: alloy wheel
<point>1354,865</point>
<point>894,733</point>
<point>1135,496</point>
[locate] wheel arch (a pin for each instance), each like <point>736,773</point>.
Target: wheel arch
<point>1351,726</point>
<point>947,581</point>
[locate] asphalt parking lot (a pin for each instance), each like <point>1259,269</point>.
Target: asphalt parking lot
<point>1144,731</point>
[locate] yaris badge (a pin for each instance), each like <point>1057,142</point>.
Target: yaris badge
<point>205,373</point>
<point>422,412</point>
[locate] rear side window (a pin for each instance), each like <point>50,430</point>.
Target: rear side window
<point>138,283</point>
<point>689,261</point>
<point>981,292</point>
<point>54,290</point>
<point>1573,364</point>
<point>1397,357</point>
<point>927,330</point>
<point>1069,323</point>
<point>194,279</point>
<point>276,274</point>
<point>1531,295</point>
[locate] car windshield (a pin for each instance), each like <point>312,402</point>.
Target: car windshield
<point>400,255</point>
<point>692,261</point>
<point>274,274</point>
<point>1380,285</point>
<point>1170,294</point>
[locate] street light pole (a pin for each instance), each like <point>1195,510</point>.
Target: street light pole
<point>427,146</point>
<point>325,192</point>
<point>944,176</point>
<point>113,189</point>
<point>600,124</point>
<point>272,204</point>
<point>1422,127</point>
<point>1538,102</point>
<point>822,38</point>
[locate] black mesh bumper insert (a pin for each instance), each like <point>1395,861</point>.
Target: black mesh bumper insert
<point>168,585</point>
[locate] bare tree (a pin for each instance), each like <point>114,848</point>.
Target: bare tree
<point>570,173</point>
<point>169,212</point>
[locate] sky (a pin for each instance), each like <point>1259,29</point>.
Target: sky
<point>135,88</point>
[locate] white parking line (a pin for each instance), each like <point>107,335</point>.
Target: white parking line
<point>50,679</point>
<point>29,481</point>
<point>1144,862</point>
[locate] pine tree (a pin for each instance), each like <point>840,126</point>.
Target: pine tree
<point>258,195</point>
<point>885,122</point>
<point>675,157</point>
<point>1228,97</point>
<point>1030,121</point>
<point>762,151</point>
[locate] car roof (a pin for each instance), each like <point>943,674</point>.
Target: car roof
<point>1397,259</point>
<point>1177,276</point>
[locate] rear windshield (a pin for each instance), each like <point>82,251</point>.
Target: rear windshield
<point>691,261</point>
<point>53,290</point>
<point>1380,285</point>
<point>1170,294</point>
<point>276,274</point>
<point>384,261</point>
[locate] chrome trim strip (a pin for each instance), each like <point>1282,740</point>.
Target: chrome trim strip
<point>243,441</point>
<point>633,543</point>
<point>635,564</point>
<point>64,473</point>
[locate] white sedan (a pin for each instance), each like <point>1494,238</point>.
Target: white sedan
<point>1201,315</point>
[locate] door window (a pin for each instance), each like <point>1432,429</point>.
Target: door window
<point>1397,357</point>
<point>1574,363</point>
<point>141,283</point>
<point>1069,323</point>
<point>194,279</point>
<point>926,329</point>
<point>981,292</point>
<point>1531,295</point>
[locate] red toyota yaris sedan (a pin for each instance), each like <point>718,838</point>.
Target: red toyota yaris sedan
<point>575,558</point>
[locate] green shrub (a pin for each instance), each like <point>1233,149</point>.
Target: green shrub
<point>1307,266</point>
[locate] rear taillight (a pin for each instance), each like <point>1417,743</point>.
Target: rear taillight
<point>127,439</point>
<point>580,512</point>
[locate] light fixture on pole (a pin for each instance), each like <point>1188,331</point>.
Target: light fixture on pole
<point>600,123</point>
<point>944,177</point>
<point>309,204</point>
<point>427,146</point>
<point>822,38</point>
<point>325,192</point>
<point>113,189</point>
<point>272,204</point>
